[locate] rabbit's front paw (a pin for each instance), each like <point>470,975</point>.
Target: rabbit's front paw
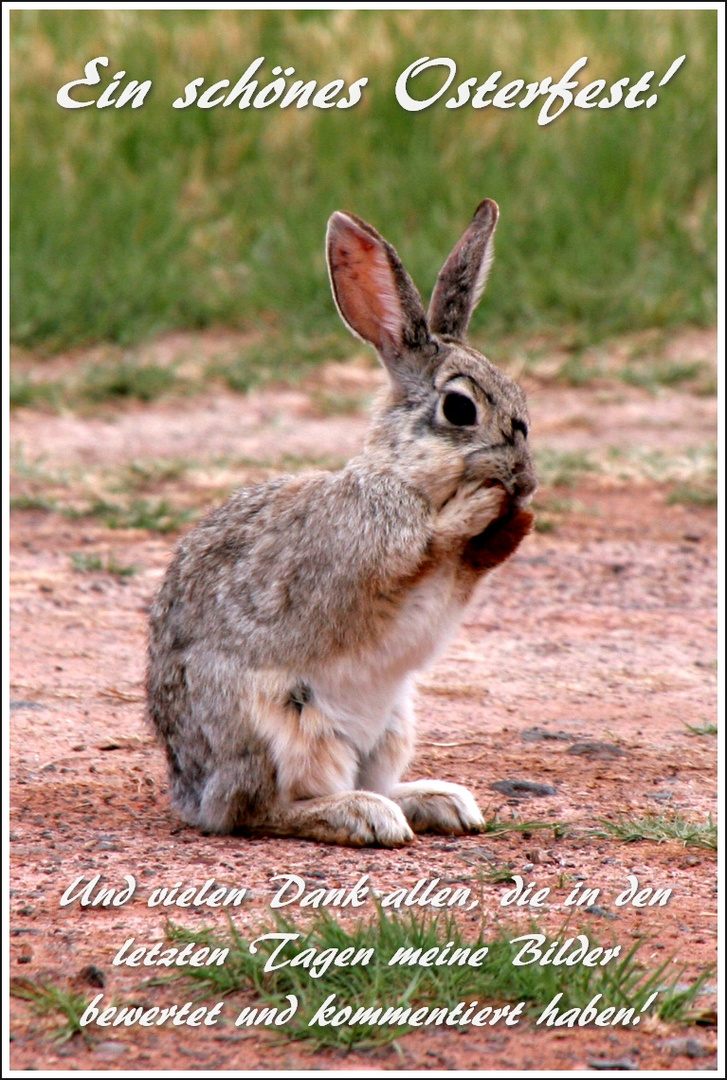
<point>468,513</point>
<point>372,819</point>
<point>353,818</point>
<point>437,806</point>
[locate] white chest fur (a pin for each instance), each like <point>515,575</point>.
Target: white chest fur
<point>359,691</point>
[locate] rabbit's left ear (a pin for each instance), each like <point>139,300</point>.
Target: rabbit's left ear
<point>463,276</point>
<point>375,296</point>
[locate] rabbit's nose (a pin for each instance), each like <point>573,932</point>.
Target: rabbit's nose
<point>525,483</point>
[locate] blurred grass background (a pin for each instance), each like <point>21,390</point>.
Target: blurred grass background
<point>127,223</point>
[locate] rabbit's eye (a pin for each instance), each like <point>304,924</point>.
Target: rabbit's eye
<point>459,410</point>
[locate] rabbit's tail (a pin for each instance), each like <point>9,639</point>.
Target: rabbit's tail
<point>225,797</point>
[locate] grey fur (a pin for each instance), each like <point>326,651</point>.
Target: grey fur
<point>463,276</point>
<point>285,635</point>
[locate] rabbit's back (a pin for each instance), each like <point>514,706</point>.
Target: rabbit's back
<point>291,571</point>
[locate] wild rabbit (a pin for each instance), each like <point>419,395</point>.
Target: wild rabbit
<point>288,628</point>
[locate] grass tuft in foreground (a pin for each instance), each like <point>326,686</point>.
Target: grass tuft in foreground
<point>624,983</point>
<point>46,998</point>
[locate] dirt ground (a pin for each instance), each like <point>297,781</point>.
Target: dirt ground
<point>580,664</point>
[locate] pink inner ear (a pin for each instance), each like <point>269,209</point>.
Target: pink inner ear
<point>364,285</point>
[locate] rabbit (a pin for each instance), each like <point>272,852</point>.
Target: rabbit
<point>287,631</point>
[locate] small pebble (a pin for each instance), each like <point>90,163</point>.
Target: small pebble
<point>596,910</point>
<point>92,975</point>
<point>522,788</point>
<point>603,750</point>
<point>623,1064</point>
<point>691,1048</point>
<point>110,1049</point>
<point>538,735</point>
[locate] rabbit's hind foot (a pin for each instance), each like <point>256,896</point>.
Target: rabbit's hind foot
<point>438,806</point>
<point>352,818</point>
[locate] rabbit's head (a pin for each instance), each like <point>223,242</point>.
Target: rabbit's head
<point>449,415</point>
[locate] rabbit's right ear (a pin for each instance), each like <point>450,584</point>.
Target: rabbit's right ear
<point>375,296</point>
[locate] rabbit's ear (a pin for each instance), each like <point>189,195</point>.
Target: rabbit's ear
<point>375,296</point>
<point>463,276</point>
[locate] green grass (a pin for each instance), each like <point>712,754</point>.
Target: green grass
<point>701,729</point>
<point>96,384</point>
<point>692,468</point>
<point>662,828</point>
<point>33,502</point>
<point>26,393</point>
<point>579,370</point>
<point>652,374</point>
<point>154,515</point>
<point>142,475</point>
<point>692,495</point>
<point>563,468</point>
<point>545,525</point>
<point>281,357</point>
<point>46,998</point>
<point>494,826</point>
<point>85,564</point>
<point>549,513</point>
<point>125,223</point>
<point>139,382</point>
<point>623,982</point>
<point>158,494</point>
<point>497,875</point>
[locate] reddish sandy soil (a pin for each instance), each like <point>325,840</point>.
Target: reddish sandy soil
<point>578,666</point>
